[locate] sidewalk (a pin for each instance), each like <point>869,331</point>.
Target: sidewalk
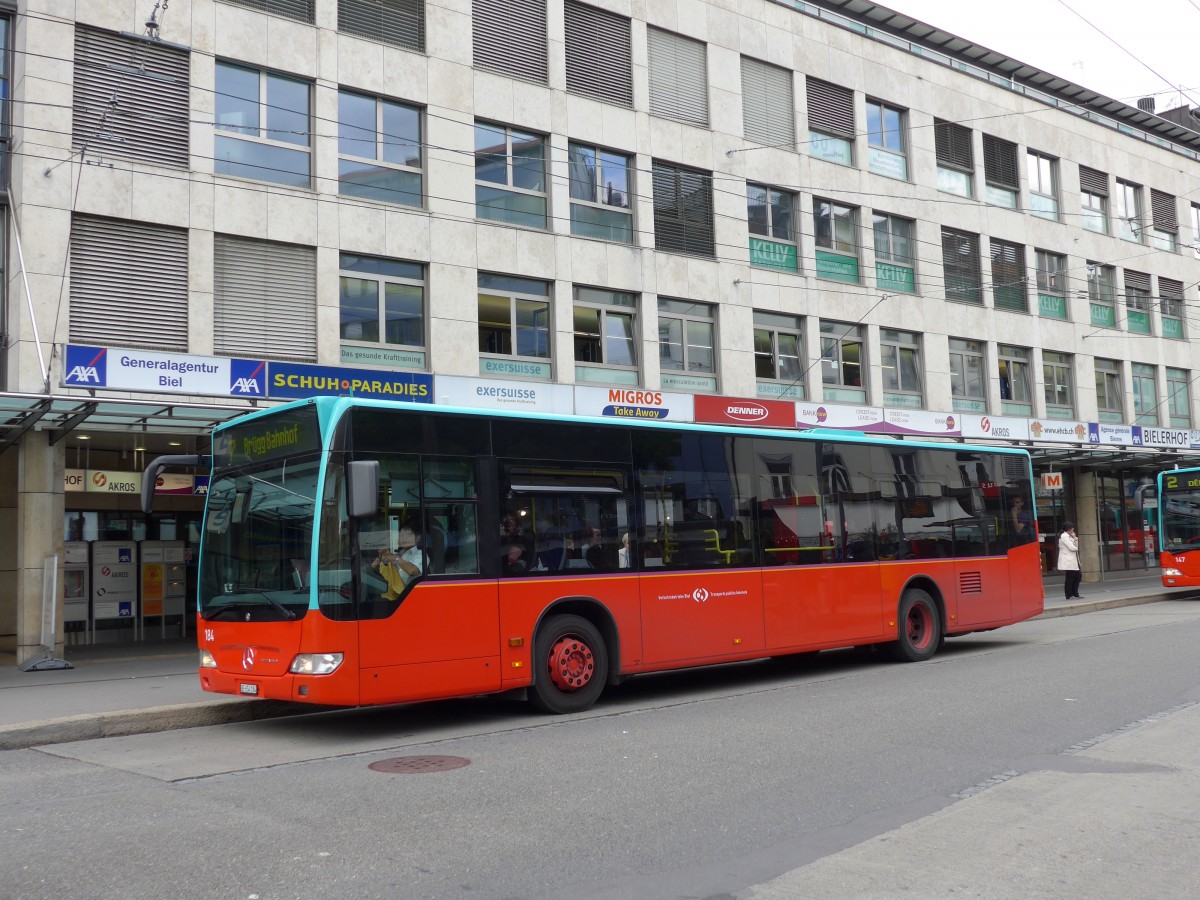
<point>152,685</point>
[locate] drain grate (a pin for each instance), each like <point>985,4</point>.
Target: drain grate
<point>417,765</point>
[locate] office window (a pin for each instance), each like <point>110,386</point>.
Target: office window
<point>510,175</point>
<point>893,253</point>
<point>1164,226</point>
<point>1110,394</point>
<point>397,22</point>
<point>678,77</point>
<point>886,145</point>
<point>955,158</point>
<point>779,355</point>
<point>137,111</point>
<point>1008,276</point>
<point>383,302</point>
<point>1196,230</point>
<point>116,298</point>
<point>605,336</point>
<point>1101,294</point>
<point>264,299</point>
<point>687,348</point>
<point>1129,211</point>
<point>772,233</point>
<point>599,54</point>
<point>768,109</point>
<point>6,112</point>
<point>1042,171</point>
<point>968,385</point>
<point>379,149</point>
<point>1137,302</point>
<point>514,326</point>
<point>1052,284</point>
<point>960,260</point>
<point>1170,307</point>
<point>1145,394</point>
<point>300,10</point>
<point>683,210</point>
<point>843,359</point>
<point>509,37</point>
<point>900,361</point>
<point>1179,404</point>
<point>600,183</point>
<point>1002,183</point>
<point>1016,380</point>
<point>830,122</point>
<point>1093,200</point>
<point>1058,386</point>
<point>262,121</point>
<point>835,228</point>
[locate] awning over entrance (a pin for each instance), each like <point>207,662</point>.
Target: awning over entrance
<point>60,415</point>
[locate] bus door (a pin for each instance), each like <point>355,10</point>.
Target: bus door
<point>429,625</point>
<point>701,590</point>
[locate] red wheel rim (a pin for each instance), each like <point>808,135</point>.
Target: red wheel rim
<point>919,626</point>
<point>570,664</point>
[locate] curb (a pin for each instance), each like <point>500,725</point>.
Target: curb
<point>1078,609</point>
<point>89,726</point>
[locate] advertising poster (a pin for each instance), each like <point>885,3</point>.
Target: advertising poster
<point>633,403</point>
<point>114,579</point>
<point>518,396</point>
<point>149,371</point>
<point>741,411</point>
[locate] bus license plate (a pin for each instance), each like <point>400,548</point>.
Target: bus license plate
<point>251,689</point>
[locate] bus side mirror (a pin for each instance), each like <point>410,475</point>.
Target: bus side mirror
<point>362,488</point>
<point>150,477</point>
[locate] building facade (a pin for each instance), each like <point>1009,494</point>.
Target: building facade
<point>214,207</point>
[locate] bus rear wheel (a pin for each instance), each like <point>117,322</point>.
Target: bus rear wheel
<point>919,627</point>
<point>571,663</point>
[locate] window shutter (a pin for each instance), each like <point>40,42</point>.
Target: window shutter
<point>397,22</point>
<point>1000,162</point>
<point>960,259</point>
<point>1093,182</point>
<point>1008,276</point>
<point>265,299</point>
<point>678,77</point>
<point>599,54</point>
<point>1162,206</point>
<point>830,108</point>
<point>683,210</point>
<point>300,10</point>
<point>130,98</point>
<point>1170,289</point>
<point>1138,281</point>
<point>510,37</point>
<point>953,145</point>
<point>768,110</point>
<point>129,284</point>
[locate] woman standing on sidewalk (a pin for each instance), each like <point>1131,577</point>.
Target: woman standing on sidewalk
<point>1068,561</point>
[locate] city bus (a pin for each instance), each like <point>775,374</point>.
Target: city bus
<point>1179,527</point>
<point>359,552</point>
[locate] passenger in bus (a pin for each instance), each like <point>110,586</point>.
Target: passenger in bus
<point>514,546</point>
<point>1021,521</point>
<point>399,567</point>
<point>623,553</point>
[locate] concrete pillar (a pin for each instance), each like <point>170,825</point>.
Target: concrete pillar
<point>1087,523</point>
<point>39,516</point>
<point>8,551</point>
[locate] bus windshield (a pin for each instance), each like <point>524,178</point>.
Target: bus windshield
<point>259,522</point>
<point>1180,513</point>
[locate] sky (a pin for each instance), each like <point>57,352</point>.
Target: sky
<point>1160,34</point>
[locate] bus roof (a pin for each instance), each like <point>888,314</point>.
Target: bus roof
<point>331,408</point>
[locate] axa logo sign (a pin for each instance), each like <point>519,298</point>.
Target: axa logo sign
<point>247,378</point>
<point>86,366</point>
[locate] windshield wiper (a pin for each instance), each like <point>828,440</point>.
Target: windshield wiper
<point>275,603</point>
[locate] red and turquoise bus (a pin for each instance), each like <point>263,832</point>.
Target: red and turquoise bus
<point>362,552</point>
<point>1179,527</point>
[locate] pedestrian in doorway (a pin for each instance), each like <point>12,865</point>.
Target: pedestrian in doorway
<point>1068,561</point>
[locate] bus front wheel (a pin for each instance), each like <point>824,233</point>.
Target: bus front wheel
<point>919,627</point>
<point>571,665</point>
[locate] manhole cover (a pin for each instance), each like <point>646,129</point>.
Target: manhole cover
<point>415,765</point>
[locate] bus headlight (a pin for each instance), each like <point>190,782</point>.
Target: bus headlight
<point>206,660</point>
<point>1173,573</point>
<point>316,663</point>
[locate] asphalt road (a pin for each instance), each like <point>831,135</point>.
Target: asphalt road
<point>696,784</point>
